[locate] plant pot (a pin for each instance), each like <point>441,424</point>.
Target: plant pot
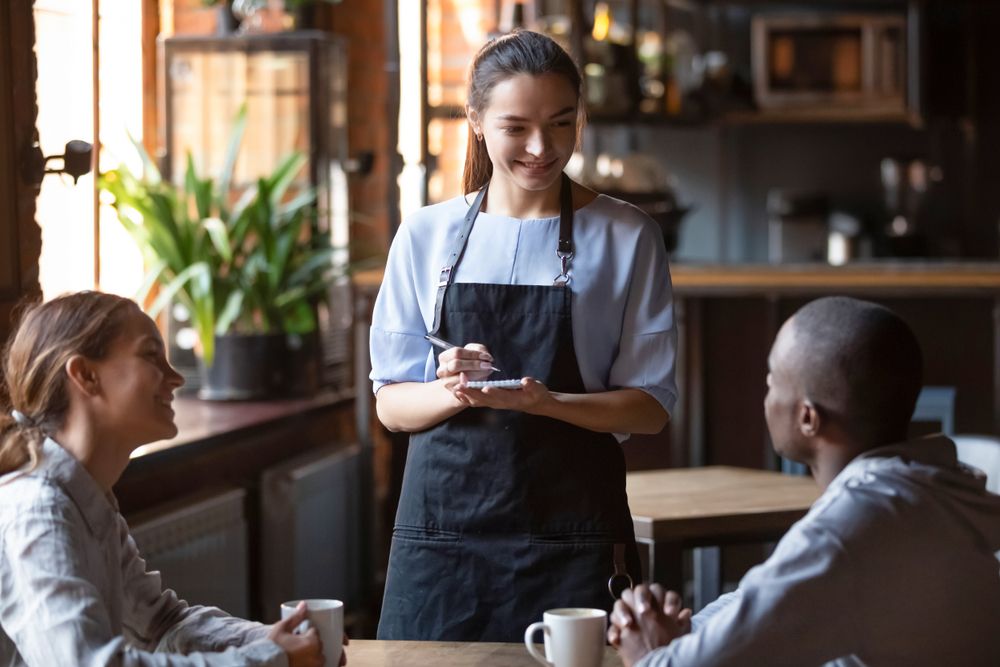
<point>261,366</point>
<point>226,22</point>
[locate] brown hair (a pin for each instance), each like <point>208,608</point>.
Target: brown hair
<point>34,367</point>
<point>518,52</point>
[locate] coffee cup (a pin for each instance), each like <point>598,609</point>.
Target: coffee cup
<point>327,616</point>
<point>574,637</point>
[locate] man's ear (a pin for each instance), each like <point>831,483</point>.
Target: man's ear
<point>809,419</point>
<point>82,375</point>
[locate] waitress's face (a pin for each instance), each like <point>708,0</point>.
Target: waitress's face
<point>529,126</point>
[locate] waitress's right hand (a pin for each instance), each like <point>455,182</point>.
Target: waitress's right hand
<point>474,360</point>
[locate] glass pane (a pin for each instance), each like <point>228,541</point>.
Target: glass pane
<point>827,59</point>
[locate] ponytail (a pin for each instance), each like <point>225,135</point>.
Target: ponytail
<point>478,168</point>
<point>20,444</point>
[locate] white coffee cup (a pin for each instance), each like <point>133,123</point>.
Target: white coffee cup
<point>327,616</point>
<point>574,637</point>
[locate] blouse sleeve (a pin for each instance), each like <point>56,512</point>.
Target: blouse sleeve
<point>54,612</point>
<point>399,352</point>
<point>649,337</point>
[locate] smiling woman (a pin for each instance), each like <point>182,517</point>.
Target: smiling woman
<point>513,501</point>
<point>89,382</point>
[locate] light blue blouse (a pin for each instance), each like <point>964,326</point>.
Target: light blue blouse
<point>622,306</point>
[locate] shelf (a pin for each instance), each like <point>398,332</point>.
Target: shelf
<point>811,116</point>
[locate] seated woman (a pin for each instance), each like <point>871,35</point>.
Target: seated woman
<point>88,382</point>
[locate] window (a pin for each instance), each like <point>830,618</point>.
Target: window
<point>83,244</point>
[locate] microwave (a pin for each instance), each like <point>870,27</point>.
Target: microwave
<point>819,61</point>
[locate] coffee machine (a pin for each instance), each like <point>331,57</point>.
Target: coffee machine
<point>905,185</point>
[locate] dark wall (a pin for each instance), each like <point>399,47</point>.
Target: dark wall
<point>955,334</point>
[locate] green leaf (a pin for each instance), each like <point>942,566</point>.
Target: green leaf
<point>232,152</point>
<point>150,172</point>
<point>231,311</point>
<point>283,176</point>
<point>150,279</point>
<point>199,189</point>
<point>219,235</point>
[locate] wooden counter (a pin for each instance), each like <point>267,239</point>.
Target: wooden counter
<point>868,277</point>
<point>728,314</point>
<point>199,423</point>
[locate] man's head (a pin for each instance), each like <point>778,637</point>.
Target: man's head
<point>841,369</point>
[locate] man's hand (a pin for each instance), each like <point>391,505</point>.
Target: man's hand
<point>304,650</point>
<point>646,618</point>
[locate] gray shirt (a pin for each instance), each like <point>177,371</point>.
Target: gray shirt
<point>893,565</point>
<point>74,591</point>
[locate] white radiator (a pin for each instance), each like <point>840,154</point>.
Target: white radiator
<point>312,530</point>
<point>199,545</point>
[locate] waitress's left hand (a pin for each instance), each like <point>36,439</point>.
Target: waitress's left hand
<point>529,398</point>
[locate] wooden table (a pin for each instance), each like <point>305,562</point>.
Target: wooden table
<point>375,653</point>
<point>696,507</point>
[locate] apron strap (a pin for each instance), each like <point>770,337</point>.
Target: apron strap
<point>448,272</point>
<point>564,251</point>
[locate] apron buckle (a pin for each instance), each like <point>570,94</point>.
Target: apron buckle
<point>564,261</point>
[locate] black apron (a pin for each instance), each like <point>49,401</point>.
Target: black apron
<point>502,514</point>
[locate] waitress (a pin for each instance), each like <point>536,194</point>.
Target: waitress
<point>513,500</point>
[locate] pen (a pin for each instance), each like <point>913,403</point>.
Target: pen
<point>445,345</point>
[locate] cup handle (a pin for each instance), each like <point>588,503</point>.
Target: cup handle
<point>529,643</point>
<point>302,627</point>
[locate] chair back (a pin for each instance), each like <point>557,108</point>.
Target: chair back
<point>983,452</point>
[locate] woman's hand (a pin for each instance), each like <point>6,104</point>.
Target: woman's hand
<point>529,398</point>
<point>303,650</point>
<point>474,360</point>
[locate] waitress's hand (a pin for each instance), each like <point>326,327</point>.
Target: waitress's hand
<point>474,360</point>
<point>528,398</point>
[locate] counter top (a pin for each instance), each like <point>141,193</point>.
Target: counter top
<point>200,422</point>
<point>862,277</point>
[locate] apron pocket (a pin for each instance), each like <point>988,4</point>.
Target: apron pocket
<point>421,534</point>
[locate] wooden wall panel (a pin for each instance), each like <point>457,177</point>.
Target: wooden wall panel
<point>20,237</point>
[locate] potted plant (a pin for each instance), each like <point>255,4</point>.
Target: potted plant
<point>250,268</point>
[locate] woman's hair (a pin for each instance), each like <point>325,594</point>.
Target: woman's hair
<point>519,52</point>
<point>34,365</point>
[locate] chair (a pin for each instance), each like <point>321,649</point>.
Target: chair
<point>936,404</point>
<point>983,452</point>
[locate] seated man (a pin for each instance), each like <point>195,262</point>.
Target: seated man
<point>893,565</point>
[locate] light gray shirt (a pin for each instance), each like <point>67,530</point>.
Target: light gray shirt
<point>74,591</point>
<point>893,565</point>
<point>622,302</point>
